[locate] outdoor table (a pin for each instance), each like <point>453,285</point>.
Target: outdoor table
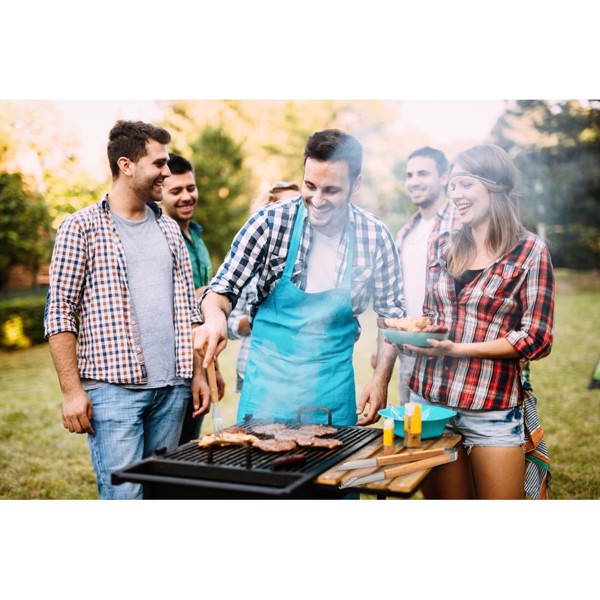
<point>404,486</point>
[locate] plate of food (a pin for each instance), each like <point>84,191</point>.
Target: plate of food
<point>412,330</point>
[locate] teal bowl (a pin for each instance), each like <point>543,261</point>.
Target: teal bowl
<point>433,420</point>
<point>414,338</point>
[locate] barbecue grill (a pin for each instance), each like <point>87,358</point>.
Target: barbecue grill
<point>237,472</point>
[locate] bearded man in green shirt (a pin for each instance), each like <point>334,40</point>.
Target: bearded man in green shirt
<point>179,201</point>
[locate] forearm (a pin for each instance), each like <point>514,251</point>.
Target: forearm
<point>495,349</point>
<point>215,307</point>
<point>386,358</point>
<point>63,348</point>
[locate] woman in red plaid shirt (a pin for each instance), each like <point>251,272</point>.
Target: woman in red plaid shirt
<point>491,283</point>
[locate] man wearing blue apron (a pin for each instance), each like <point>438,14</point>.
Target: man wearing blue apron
<point>320,259</point>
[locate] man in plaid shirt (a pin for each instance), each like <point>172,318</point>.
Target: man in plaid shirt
<point>319,259</point>
<point>120,312</point>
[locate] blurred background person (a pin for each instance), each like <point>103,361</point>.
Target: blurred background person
<point>238,323</point>
<point>426,183</point>
<point>179,201</point>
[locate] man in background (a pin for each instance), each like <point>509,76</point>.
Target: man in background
<point>426,182</point>
<point>238,323</point>
<point>179,201</point>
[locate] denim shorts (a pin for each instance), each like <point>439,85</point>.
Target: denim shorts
<point>484,427</point>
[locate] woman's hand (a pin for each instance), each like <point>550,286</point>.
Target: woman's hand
<point>438,348</point>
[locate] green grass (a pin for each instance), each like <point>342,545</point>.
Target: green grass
<point>39,459</point>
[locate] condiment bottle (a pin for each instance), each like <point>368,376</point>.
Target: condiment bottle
<point>388,436</point>
<point>412,425</point>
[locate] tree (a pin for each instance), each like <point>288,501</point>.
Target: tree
<point>222,189</point>
<point>25,226</point>
<point>556,145</point>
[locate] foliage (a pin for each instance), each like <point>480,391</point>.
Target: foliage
<point>556,145</point>
<point>24,226</point>
<point>222,189</point>
<point>22,322</point>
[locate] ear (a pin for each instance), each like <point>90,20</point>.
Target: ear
<point>444,179</point>
<point>125,165</point>
<point>357,183</point>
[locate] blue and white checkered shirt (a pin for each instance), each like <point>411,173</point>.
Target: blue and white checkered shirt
<point>262,245</point>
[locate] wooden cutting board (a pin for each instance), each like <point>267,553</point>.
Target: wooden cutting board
<point>405,485</point>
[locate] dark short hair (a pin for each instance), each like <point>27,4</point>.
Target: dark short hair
<point>128,139</point>
<point>441,162</point>
<point>179,165</point>
<point>334,145</point>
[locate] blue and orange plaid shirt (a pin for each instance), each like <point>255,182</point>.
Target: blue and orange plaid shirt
<point>513,299</point>
<point>89,296</point>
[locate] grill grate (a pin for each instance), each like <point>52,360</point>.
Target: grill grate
<point>239,469</point>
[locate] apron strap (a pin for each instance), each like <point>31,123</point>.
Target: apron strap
<point>295,245</point>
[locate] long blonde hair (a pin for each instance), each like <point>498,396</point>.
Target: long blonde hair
<point>497,172</point>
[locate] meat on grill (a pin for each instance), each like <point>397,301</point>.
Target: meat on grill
<point>291,435</point>
<point>274,445</point>
<point>269,429</point>
<point>226,438</point>
<point>318,430</point>
<point>319,442</point>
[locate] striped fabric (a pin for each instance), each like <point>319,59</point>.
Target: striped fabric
<point>89,296</point>
<point>514,299</point>
<point>262,245</point>
<point>537,465</point>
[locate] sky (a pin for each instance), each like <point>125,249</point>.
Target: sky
<point>445,121</point>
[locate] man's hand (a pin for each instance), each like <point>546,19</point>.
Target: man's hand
<point>375,395</point>
<point>210,338</point>
<point>200,391</point>
<point>77,413</point>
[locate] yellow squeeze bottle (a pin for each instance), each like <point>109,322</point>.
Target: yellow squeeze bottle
<point>388,436</point>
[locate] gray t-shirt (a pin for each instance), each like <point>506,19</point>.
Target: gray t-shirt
<point>150,278</point>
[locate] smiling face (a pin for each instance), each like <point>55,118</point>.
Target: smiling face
<point>326,191</point>
<point>472,199</point>
<point>424,185</point>
<point>180,197</point>
<point>150,172</point>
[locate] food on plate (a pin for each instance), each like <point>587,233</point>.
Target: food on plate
<point>319,442</point>
<point>227,438</point>
<point>274,445</point>
<point>269,428</point>
<point>318,430</point>
<point>415,324</point>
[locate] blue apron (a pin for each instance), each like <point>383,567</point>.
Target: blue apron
<point>301,348</point>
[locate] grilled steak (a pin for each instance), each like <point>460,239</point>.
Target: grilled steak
<point>319,442</point>
<point>274,445</point>
<point>291,434</point>
<point>318,430</point>
<point>226,438</point>
<point>269,429</point>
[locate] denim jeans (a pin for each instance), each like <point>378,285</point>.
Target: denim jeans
<point>130,425</point>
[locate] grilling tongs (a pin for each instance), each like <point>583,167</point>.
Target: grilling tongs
<point>448,455</point>
<point>217,419</point>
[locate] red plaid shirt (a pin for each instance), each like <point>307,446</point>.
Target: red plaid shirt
<point>514,299</point>
<point>88,284</point>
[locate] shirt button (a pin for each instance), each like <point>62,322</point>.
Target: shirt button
<point>133,321</point>
<point>138,349</point>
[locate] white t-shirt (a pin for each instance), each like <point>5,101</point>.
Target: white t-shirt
<point>321,262</point>
<point>414,266</point>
